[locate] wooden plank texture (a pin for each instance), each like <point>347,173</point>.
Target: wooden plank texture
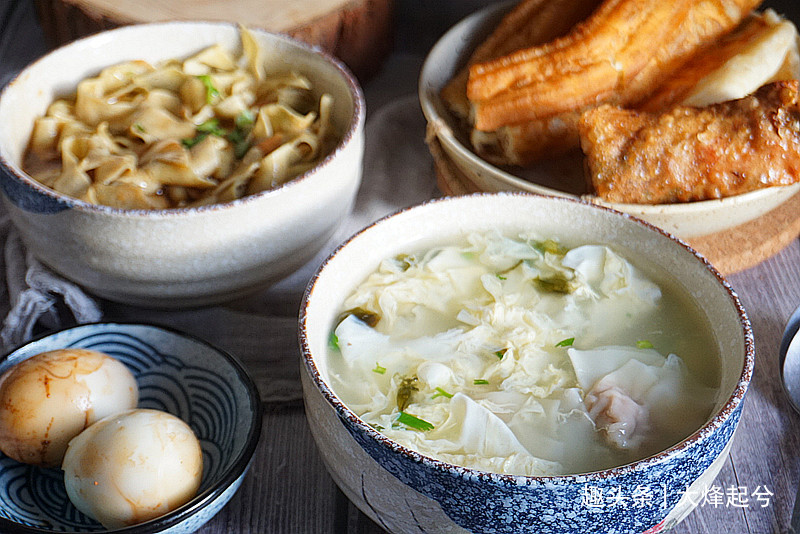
<point>356,31</point>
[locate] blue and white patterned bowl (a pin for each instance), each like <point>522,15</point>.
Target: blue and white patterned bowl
<point>176,373</point>
<point>404,491</point>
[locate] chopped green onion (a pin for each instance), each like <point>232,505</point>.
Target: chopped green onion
<point>245,119</point>
<point>500,353</point>
<point>644,344</point>
<point>333,341</point>
<point>190,142</point>
<point>240,145</point>
<point>211,126</point>
<point>244,123</point>
<point>376,427</point>
<point>566,342</point>
<point>237,136</point>
<point>414,422</point>
<point>501,277</point>
<point>139,128</point>
<point>480,382</point>
<point>211,91</point>
<point>442,393</point>
<point>379,369</point>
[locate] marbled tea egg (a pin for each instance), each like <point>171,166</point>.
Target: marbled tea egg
<point>132,467</point>
<point>48,399</point>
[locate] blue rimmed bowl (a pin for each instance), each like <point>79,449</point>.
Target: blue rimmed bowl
<point>188,256</point>
<point>177,373</point>
<point>404,491</point>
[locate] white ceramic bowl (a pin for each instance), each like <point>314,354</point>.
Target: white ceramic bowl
<point>190,256</point>
<point>684,220</point>
<point>404,491</point>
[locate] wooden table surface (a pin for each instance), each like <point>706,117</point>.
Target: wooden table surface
<point>288,489</point>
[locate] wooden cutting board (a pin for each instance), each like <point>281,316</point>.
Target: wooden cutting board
<point>356,31</point>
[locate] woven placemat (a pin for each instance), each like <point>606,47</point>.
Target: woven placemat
<point>729,251</point>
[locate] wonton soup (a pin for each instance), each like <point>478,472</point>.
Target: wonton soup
<point>514,354</point>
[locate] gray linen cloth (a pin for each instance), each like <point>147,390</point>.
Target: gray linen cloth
<point>261,329</point>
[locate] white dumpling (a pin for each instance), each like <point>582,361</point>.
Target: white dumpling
<point>607,272</point>
<point>363,346</point>
<point>472,430</point>
<point>593,364</point>
<point>636,394</point>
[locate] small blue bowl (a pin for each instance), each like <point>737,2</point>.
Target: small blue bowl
<point>177,373</point>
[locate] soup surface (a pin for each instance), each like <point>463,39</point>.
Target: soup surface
<point>515,355</point>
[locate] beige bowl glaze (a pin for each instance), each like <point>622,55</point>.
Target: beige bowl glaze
<point>684,220</point>
<point>404,491</point>
<point>182,257</point>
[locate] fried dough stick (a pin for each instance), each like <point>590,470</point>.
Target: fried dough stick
<point>689,154</point>
<point>529,23</point>
<point>619,54</point>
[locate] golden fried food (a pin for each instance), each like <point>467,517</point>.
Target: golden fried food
<point>529,141</point>
<point>621,53</point>
<point>689,154</point>
<point>529,23</point>
<point>763,49</point>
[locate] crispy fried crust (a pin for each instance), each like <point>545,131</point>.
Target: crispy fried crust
<point>529,23</point>
<point>619,54</point>
<point>529,141</point>
<point>761,50</point>
<point>689,154</point>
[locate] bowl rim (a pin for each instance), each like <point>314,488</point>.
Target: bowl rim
<point>356,123</point>
<point>443,131</point>
<point>239,465</point>
<point>715,420</point>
